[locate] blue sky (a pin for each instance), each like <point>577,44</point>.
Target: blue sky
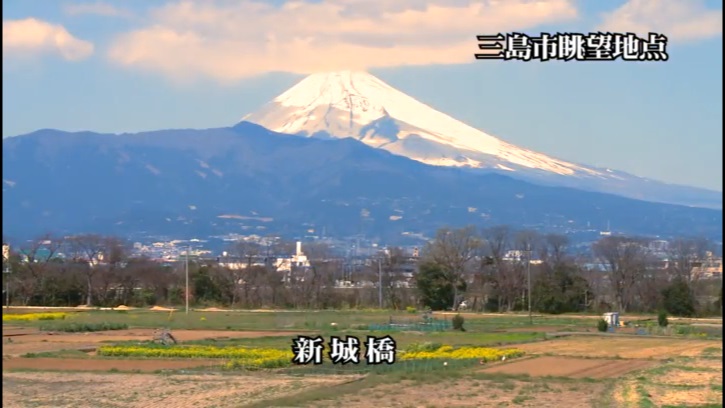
<point>136,65</point>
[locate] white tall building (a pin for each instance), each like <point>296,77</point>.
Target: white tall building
<point>299,259</point>
<point>282,264</point>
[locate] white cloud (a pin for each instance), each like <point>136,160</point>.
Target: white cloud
<point>98,8</point>
<point>236,39</point>
<point>31,37</point>
<point>677,19</point>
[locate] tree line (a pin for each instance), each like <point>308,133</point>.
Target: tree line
<point>488,270</point>
<point>618,274</point>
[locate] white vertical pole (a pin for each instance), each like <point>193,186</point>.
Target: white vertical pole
<point>380,285</point>
<point>528,270</point>
<point>7,291</point>
<point>6,271</point>
<point>187,279</point>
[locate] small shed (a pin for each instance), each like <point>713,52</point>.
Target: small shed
<point>612,319</point>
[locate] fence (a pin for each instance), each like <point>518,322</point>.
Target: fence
<point>427,325</point>
<point>652,329</point>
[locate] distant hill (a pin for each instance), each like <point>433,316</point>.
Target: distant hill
<point>248,179</point>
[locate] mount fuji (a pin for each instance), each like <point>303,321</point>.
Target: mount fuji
<point>375,163</point>
<point>354,104</point>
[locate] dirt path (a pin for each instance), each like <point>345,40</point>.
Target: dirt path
<point>50,390</point>
<point>468,393</point>
<point>68,364</point>
<point>18,331</point>
<point>571,367</point>
<point>140,334</point>
<point>635,347</point>
<point>34,341</point>
<point>546,329</point>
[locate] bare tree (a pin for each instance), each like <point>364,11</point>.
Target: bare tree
<point>304,286</point>
<point>526,242</point>
<point>324,269</point>
<point>684,255</point>
<point>142,272</point>
<point>495,271</point>
<point>37,256</point>
<point>497,241</point>
<point>597,285</point>
<point>626,260</point>
<point>392,262</point>
<point>453,250</point>
<point>115,253</point>
<point>553,250</point>
<point>246,253</point>
<point>323,284</point>
<point>275,285</point>
<point>649,288</point>
<point>89,249</point>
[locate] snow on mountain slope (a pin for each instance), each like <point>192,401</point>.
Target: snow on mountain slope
<point>359,105</point>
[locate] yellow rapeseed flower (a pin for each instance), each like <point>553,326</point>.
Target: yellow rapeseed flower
<point>462,353</point>
<point>28,317</point>
<point>240,356</point>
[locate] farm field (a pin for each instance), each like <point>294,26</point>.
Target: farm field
<point>571,367</point>
<point>25,389</point>
<point>87,364</point>
<point>35,341</point>
<point>620,347</point>
<point>65,362</point>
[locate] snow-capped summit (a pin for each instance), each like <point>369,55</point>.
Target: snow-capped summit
<point>359,105</point>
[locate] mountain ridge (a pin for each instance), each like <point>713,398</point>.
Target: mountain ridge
<point>357,104</point>
<point>249,179</point>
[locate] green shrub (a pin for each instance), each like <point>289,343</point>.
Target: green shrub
<point>457,322</point>
<point>411,309</point>
<point>49,316</point>
<point>426,346</point>
<point>602,325</point>
<point>662,319</point>
<point>678,299</point>
<point>256,365</point>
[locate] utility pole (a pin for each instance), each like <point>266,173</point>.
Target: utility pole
<point>7,270</point>
<point>528,272</point>
<point>187,278</point>
<point>380,285</point>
